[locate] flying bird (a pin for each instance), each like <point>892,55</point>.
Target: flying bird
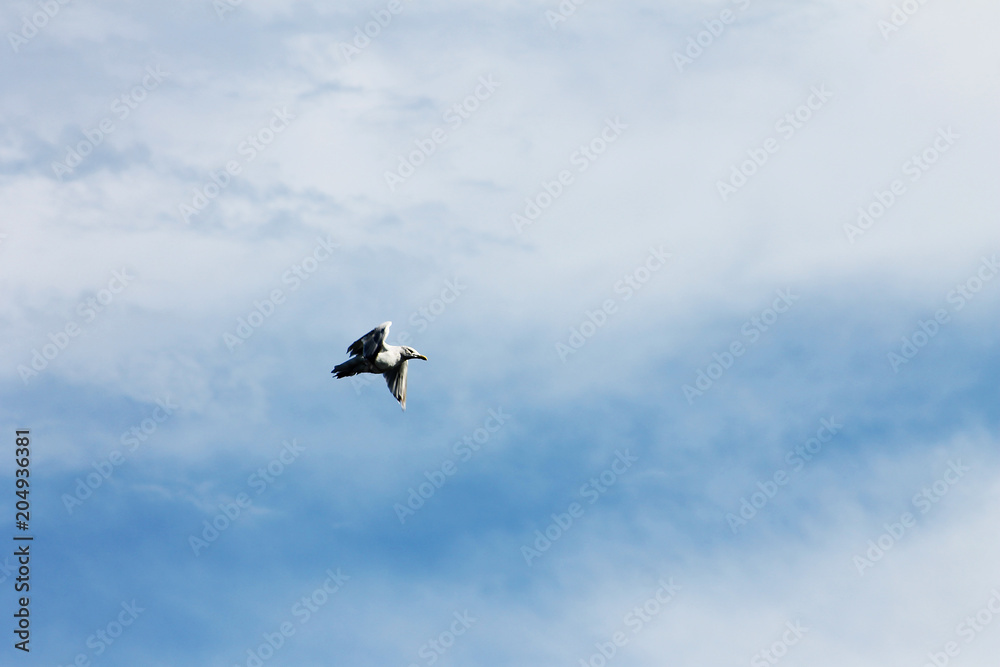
<point>371,354</point>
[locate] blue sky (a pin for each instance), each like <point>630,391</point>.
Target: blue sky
<point>708,291</point>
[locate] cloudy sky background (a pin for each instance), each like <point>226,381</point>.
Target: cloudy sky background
<point>221,76</point>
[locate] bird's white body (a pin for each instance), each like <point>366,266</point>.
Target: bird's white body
<point>388,358</point>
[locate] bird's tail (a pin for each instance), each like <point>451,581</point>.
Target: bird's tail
<point>352,366</point>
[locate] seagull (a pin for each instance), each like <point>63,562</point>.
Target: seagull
<point>371,354</point>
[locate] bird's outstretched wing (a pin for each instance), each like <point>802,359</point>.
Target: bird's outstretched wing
<point>369,345</point>
<point>396,379</point>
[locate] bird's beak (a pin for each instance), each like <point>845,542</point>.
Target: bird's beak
<point>420,356</point>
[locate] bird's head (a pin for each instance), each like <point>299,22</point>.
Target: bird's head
<point>410,353</point>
